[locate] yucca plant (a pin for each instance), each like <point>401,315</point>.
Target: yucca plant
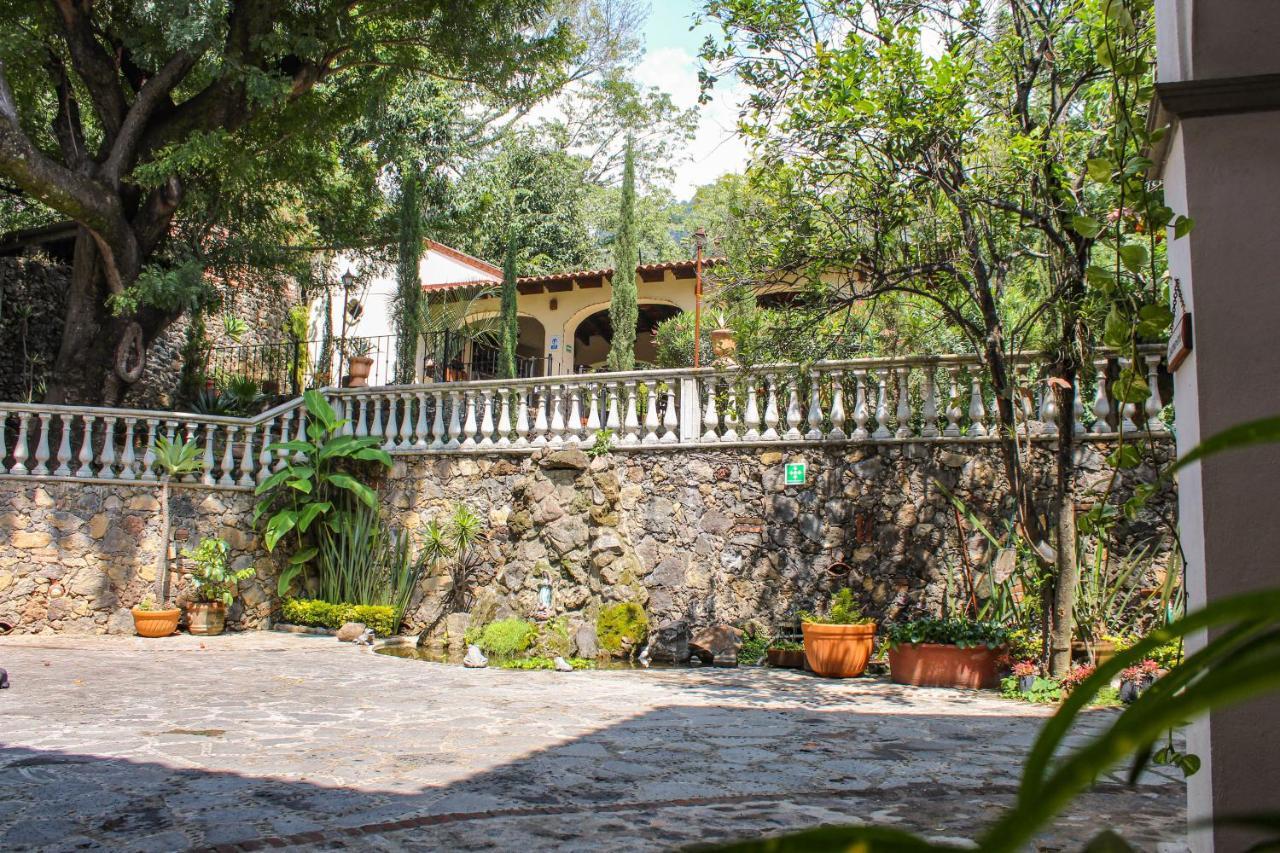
<point>172,459</point>
<point>360,561</point>
<point>454,544</point>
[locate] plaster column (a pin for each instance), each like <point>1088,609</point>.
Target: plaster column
<point>1219,75</point>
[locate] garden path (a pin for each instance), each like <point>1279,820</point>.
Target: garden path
<point>264,740</point>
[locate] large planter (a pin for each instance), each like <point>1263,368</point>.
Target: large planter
<point>1096,653</point>
<point>785,658</point>
<point>206,617</point>
<point>939,665</point>
<point>723,345</point>
<point>360,365</point>
<point>838,651</point>
<point>155,623</point>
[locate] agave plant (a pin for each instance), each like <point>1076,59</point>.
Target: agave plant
<point>454,545</point>
<point>171,460</point>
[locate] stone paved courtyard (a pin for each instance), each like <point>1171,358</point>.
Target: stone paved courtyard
<point>269,740</point>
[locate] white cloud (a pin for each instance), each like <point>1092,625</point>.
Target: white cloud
<point>716,147</point>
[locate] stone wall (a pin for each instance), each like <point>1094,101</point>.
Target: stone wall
<point>74,557</point>
<point>707,536</point>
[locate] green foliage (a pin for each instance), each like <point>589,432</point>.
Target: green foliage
<point>408,302</point>
<point>305,493</point>
<point>323,614</point>
<point>235,328</point>
<point>362,561</point>
<point>623,305</point>
<point>538,662</point>
<point>210,577</point>
<point>552,639</point>
<point>844,610</point>
<point>965,633</point>
<point>174,459</point>
<point>603,443</point>
<point>621,624</point>
<point>509,320</point>
<point>787,645</point>
<point>456,546</point>
<point>754,646</point>
<point>507,638</point>
<point>1044,691</point>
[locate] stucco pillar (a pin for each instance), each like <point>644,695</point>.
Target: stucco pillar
<point>1219,75</point>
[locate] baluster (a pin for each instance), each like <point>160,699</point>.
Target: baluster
<point>614,422</point>
<point>107,458</point>
<point>573,427</point>
<point>437,421</point>
<point>420,426</point>
<point>246,457</point>
<point>264,457</point>
<point>228,457</point>
<point>504,419</point>
<point>651,412</point>
<point>406,421</point>
<point>793,410</point>
<point>281,453</point>
<point>148,455</point>
<point>952,429</point>
<point>375,430</point>
<point>300,415</point>
<point>977,414</point>
<point>929,407</point>
<point>455,421</point>
<point>904,404</point>
<point>838,418</point>
<point>752,418</point>
<point>711,418</point>
<point>42,447</point>
<point>631,423</point>
<point>540,424</point>
<point>64,445</point>
<point>486,419</point>
<point>861,414</point>
<point>4,452</point>
<point>815,407</point>
<point>882,407</point>
<point>86,445</point>
<point>1154,404</point>
<point>128,458</point>
<point>1128,410</point>
<point>20,446</point>
<point>206,476</point>
<point>1022,395</point>
<point>730,413</point>
<point>522,418</point>
<point>593,415</point>
<point>362,427</point>
<point>771,419</point>
<point>670,419</point>
<point>342,408</point>
<point>470,427</point>
<point>1077,409</point>
<point>1049,409</point>
<point>388,433</point>
<point>557,417</point>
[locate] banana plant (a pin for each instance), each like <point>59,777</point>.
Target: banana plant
<point>304,493</point>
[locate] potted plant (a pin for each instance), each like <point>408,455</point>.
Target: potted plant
<point>214,586</point>
<point>1026,672</point>
<point>946,652</point>
<point>839,644</point>
<point>1135,679</point>
<point>152,620</point>
<point>785,654</point>
<point>723,345</point>
<point>1077,676</point>
<point>359,363</point>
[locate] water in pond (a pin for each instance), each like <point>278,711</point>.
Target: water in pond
<point>419,653</point>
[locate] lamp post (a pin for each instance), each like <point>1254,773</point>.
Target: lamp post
<point>348,279</point>
<point>700,241</point>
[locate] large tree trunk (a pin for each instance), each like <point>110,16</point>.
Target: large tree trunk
<point>1067,569</point>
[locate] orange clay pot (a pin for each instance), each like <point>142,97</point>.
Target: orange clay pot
<point>838,651</point>
<point>155,623</point>
<point>939,665</point>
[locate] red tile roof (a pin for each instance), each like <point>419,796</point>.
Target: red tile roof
<point>685,266</point>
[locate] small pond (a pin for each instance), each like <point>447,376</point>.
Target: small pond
<point>419,653</point>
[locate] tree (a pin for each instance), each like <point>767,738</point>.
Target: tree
<point>179,98</point>
<point>946,154</point>
<point>509,321</point>
<point>408,300</point>
<point>623,307</point>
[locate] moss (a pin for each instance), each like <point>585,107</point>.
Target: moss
<point>553,639</point>
<point>507,638</point>
<point>542,663</point>
<point>625,621</point>
<point>323,614</point>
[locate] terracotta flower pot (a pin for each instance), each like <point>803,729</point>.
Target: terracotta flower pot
<point>785,658</point>
<point>1098,653</point>
<point>360,365</point>
<point>206,617</point>
<point>723,346</point>
<point>155,623</point>
<point>838,651</point>
<point>939,665</point>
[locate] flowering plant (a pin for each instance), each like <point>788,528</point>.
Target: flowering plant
<point>1023,668</point>
<point>1076,676</point>
<point>1147,669</point>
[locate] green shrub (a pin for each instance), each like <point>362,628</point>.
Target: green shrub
<point>754,645</point>
<point>542,663</point>
<point>472,635</point>
<point>965,633</point>
<point>624,620</point>
<point>322,614</point>
<point>1024,644</point>
<point>552,639</point>
<point>786,645</point>
<point>507,638</point>
<point>844,610</point>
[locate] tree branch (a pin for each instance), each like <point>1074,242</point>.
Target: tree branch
<point>153,94</point>
<point>93,65</point>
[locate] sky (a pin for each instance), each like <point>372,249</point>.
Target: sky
<point>671,63</point>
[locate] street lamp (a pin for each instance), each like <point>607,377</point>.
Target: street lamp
<point>700,241</point>
<point>348,280</point>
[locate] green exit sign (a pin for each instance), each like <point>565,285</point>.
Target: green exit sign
<point>795,473</point>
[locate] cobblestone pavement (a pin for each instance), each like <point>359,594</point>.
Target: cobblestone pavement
<point>268,740</point>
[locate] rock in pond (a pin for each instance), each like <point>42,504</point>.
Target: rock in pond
<point>717,644</point>
<point>562,665</point>
<point>669,643</point>
<point>350,632</point>
<point>475,658</point>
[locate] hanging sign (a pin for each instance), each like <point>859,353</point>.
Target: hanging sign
<point>794,473</point>
<point>1180,336</point>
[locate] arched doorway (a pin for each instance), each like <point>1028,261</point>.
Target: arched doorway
<point>593,336</point>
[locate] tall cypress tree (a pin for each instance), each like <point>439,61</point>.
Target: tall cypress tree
<point>408,302</point>
<point>509,321</point>
<point>623,308</point>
